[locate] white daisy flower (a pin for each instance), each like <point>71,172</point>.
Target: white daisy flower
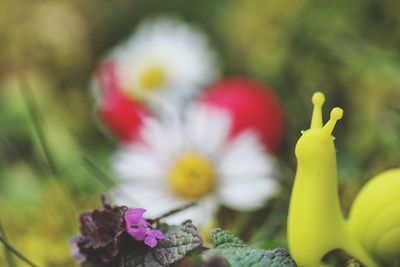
<point>192,159</point>
<point>165,60</point>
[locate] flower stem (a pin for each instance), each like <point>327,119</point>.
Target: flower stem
<point>16,252</point>
<point>172,212</point>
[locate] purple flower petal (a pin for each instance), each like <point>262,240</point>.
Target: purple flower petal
<point>158,234</point>
<point>151,241</point>
<point>139,232</point>
<point>140,229</point>
<point>134,216</point>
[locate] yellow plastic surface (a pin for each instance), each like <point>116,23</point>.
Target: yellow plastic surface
<point>316,224</point>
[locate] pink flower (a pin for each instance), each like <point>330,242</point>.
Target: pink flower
<point>140,229</point>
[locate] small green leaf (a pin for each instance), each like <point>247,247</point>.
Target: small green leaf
<point>223,239</point>
<point>238,254</point>
<point>178,241</point>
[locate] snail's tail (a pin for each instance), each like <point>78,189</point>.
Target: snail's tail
<point>375,216</point>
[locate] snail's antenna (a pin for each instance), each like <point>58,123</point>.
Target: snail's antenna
<point>318,100</point>
<point>336,114</point>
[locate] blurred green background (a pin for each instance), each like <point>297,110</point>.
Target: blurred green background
<point>48,49</point>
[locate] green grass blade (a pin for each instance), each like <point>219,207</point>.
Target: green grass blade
<point>33,109</point>
<point>9,257</point>
<point>97,173</point>
<point>16,252</point>
<point>49,162</point>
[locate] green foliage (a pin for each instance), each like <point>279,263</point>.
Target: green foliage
<point>348,49</point>
<point>178,241</point>
<point>238,254</point>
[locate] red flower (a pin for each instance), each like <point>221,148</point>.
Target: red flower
<point>251,106</point>
<point>121,114</point>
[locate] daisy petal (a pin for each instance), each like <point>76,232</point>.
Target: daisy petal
<point>247,195</point>
<point>245,157</point>
<point>208,127</point>
<point>153,196</point>
<point>153,135</point>
<point>136,163</point>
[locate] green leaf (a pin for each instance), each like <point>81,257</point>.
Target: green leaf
<point>238,254</point>
<point>178,241</point>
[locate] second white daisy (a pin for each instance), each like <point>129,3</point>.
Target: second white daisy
<point>192,159</point>
<point>164,60</point>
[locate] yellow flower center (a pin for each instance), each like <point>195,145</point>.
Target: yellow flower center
<point>192,177</point>
<point>152,79</point>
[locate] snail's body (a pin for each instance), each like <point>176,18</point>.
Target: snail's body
<point>305,242</point>
<point>316,224</point>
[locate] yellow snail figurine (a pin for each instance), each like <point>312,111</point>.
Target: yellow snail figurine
<point>316,224</point>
